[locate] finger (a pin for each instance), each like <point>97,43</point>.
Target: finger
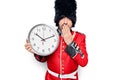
<point>30,49</point>
<point>27,46</point>
<point>67,28</point>
<point>64,27</point>
<point>63,30</point>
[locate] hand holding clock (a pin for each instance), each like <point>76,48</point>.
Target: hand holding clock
<point>28,46</point>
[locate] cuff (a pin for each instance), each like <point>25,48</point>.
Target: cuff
<point>38,57</point>
<point>72,49</point>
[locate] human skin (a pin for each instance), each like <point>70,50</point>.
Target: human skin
<point>64,25</point>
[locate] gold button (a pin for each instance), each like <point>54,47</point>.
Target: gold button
<point>62,68</point>
<point>62,50</point>
<point>62,60</point>
<point>62,65</point>
<point>62,71</point>
<point>63,46</point>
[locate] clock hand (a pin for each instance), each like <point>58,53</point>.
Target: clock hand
<point>49,37</point>
<point>40,37</point>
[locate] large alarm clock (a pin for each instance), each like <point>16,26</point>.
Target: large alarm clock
<point>44,39</point>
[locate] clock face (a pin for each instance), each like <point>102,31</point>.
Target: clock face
<point>43,39</point>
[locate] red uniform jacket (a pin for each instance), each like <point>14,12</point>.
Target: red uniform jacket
<point>62,63</point>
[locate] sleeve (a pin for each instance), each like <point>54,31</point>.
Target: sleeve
<point>40,58</point>
<point>77,50</point>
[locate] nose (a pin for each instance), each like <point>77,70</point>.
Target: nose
<point>65,20</point>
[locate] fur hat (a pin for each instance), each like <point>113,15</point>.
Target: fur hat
<point>65,8</point>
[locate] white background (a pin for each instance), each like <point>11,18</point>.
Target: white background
<point>98,19</point>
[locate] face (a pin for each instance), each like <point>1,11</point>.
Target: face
<point>65,21</point>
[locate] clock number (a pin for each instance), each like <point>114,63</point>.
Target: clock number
<point>38,29</point>
<point>48,49</point>
<point>34,33</point>
<point>49,30</point>
<point>34,44</point>
<point>32,38</point>
<point>43,50</point>
<point>54,40</point>
<point>52,46</point>
<point>43,28</point>
<point>38,48</point>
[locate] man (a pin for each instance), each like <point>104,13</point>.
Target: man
<point>71,52</point>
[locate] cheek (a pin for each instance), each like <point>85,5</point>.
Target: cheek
<point>70,24</point>
<point>60,22</point>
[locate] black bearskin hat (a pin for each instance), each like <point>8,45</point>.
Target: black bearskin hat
<point>65,8</point>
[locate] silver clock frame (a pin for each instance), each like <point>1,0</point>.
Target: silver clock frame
<point>35,51</point>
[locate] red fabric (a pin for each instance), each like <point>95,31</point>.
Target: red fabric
<point>39,58</point>
<point>60,62</point>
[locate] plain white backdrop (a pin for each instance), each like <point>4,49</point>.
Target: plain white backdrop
<point>98,19</point>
